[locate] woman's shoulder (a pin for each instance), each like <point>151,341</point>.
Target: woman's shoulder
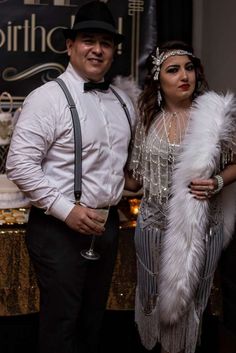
<point>215,98</point>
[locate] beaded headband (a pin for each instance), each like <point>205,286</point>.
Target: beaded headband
<point>160,58</point>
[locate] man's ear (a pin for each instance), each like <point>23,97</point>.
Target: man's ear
<point>69,45</point>
<point>115,52</point>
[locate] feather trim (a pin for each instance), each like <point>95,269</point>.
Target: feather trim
<point>129,86</point>
<point>182,256</point>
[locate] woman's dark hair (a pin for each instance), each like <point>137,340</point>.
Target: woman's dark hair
<point>147,103</point>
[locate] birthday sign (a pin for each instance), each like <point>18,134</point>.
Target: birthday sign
<point>32,46</point>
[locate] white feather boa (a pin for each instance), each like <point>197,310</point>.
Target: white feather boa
<point>182,257</point>
<point>129,86</point>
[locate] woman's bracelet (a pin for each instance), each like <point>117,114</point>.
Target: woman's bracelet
<point>220,183</point>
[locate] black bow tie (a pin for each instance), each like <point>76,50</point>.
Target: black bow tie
<point>103,86</point>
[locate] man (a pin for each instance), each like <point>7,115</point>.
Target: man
<point>73,290</point>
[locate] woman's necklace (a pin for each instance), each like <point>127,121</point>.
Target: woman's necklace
<point>175,125</point>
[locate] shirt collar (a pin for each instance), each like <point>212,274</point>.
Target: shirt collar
<point>78,80</point>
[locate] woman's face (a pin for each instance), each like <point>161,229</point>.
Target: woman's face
<point>177,79</point>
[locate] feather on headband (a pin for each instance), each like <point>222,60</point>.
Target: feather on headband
<point>160,58</point>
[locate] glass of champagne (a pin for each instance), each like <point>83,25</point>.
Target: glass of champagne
<point>90,254</point>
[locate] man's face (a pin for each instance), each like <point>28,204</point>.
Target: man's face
<point>91,54</point>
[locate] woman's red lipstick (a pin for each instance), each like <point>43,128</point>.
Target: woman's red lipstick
<point>185,86</point>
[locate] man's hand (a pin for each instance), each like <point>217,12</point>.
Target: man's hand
<point>85,220</point>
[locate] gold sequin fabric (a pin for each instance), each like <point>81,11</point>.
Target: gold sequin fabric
<point>19,293</point>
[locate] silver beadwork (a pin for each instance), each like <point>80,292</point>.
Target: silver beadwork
<point>220,184</point>
<point>154,154</point>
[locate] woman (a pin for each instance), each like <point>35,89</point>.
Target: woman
<point>184,155</point>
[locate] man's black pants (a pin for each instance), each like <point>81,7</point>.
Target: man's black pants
<point>73,290</point>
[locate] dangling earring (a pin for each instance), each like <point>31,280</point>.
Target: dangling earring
<point>159,97</point>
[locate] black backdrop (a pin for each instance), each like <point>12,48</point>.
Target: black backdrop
<point>174,20</point>
<point>32,46</point>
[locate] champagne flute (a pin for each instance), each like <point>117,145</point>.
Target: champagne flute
<point>90,254</point>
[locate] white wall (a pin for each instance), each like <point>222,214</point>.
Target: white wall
<point>214,41</point>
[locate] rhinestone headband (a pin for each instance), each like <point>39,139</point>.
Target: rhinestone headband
<point>160,58</point>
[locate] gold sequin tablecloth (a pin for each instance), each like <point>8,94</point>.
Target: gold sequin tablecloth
<point>19,294</point>
<point>122,290</point>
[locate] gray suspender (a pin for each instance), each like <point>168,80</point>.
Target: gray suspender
<point>78,135</point>
<point>77,138</point>
<point>124,106</point>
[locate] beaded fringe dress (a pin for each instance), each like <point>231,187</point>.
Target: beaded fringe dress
<point>152,161</point>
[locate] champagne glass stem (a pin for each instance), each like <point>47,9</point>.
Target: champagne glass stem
<point>90,254</point>
<point>92,243</point>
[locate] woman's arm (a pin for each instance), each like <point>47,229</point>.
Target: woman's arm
<point>229,173</point>
<point>204,188</point>
<point>130,183</point>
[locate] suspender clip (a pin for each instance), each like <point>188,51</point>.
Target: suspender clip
<point>77,196</point>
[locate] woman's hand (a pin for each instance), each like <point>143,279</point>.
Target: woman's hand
<point>203,189</point>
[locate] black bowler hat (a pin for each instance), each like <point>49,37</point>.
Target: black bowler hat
<point>94,16</point>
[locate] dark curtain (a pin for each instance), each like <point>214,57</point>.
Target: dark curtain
<point>228,272</point>
<point>174,20</point>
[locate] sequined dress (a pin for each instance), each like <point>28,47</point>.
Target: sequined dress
<point>152,161</point>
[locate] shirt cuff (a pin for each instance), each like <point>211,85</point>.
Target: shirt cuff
<point>60,208</point>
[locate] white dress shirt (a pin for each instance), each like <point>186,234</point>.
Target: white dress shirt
<point>41,155</point>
